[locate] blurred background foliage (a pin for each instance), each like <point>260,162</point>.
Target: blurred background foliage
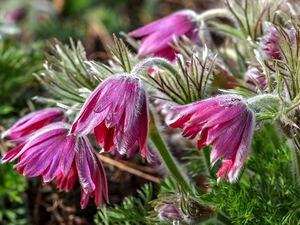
<point>25,28</point>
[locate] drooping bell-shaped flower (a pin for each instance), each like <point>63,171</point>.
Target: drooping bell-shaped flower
<point>117,111</point>
<point>53,153</point>
<point>223,121</point>
<point>157,36</point>
<point>34,121</point>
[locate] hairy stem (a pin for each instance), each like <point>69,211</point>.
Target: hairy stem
<point>153,61</point>
<point>170,162</point>
<point>213,13</point>
<point>296,160</point>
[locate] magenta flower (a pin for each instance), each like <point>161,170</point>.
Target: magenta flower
<point>117,110</point>
<point>34,121</point>
<point>53,153</point>
<point>157,36</point>
<point>226,123</point>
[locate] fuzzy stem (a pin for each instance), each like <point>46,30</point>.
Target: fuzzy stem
<point>296,160</point>
<point>174,169</point>
<point>213,13</point>
<point>153,61</point>
<point>258,100</point>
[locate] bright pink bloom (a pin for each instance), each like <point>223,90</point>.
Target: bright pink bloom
<point>158,35</point>
<point>53,153</point>
<point>226,123</point>
<point>34,121</point>
<point>117,110</point>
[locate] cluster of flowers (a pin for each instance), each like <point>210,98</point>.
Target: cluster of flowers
<point>117,114</point>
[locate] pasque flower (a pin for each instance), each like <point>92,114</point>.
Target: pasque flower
<point>53,153</point>
<point>117,111</point>
<point>223,121</point>
<point>33,121</point>
<point>157,36</point>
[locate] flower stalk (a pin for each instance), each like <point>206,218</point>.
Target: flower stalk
<point>213,13</point>
<point>170,162</point>
<point>295,158</point>
<point>154,61</point>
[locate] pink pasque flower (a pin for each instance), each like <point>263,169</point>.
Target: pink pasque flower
<point>117,110</point>
<point>53,153</point>
<point>157,36</point>
<point>34,121</point>
<point>226,123</point>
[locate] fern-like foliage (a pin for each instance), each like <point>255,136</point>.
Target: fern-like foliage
<point>267,193</point>
<point>132,211</point>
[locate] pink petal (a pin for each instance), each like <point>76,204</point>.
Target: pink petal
<point>11,155</point>
<point>226,165</point>
<point>70,147</point>
<point>34,121</point>
<point>85,165</point>
<point>105,136</point>
<point>143,133</point>
<point>66,182</point>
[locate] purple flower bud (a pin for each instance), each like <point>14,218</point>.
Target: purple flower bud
<point>117,110</point>
<point>226,123</point>
<point>34,121</point>
<point>254,79</point>
<point>53,153</point>
<point>169,213</point>
<point>157,36</point>
<point>14,15</point>
<point>181,210</point>
<point>269,43</point>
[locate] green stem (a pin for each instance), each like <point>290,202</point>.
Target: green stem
<point>258,101</point>
<point>296,160</point>
<point>213,13</point>
<point>174,169</point>
<point>153,61</point>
